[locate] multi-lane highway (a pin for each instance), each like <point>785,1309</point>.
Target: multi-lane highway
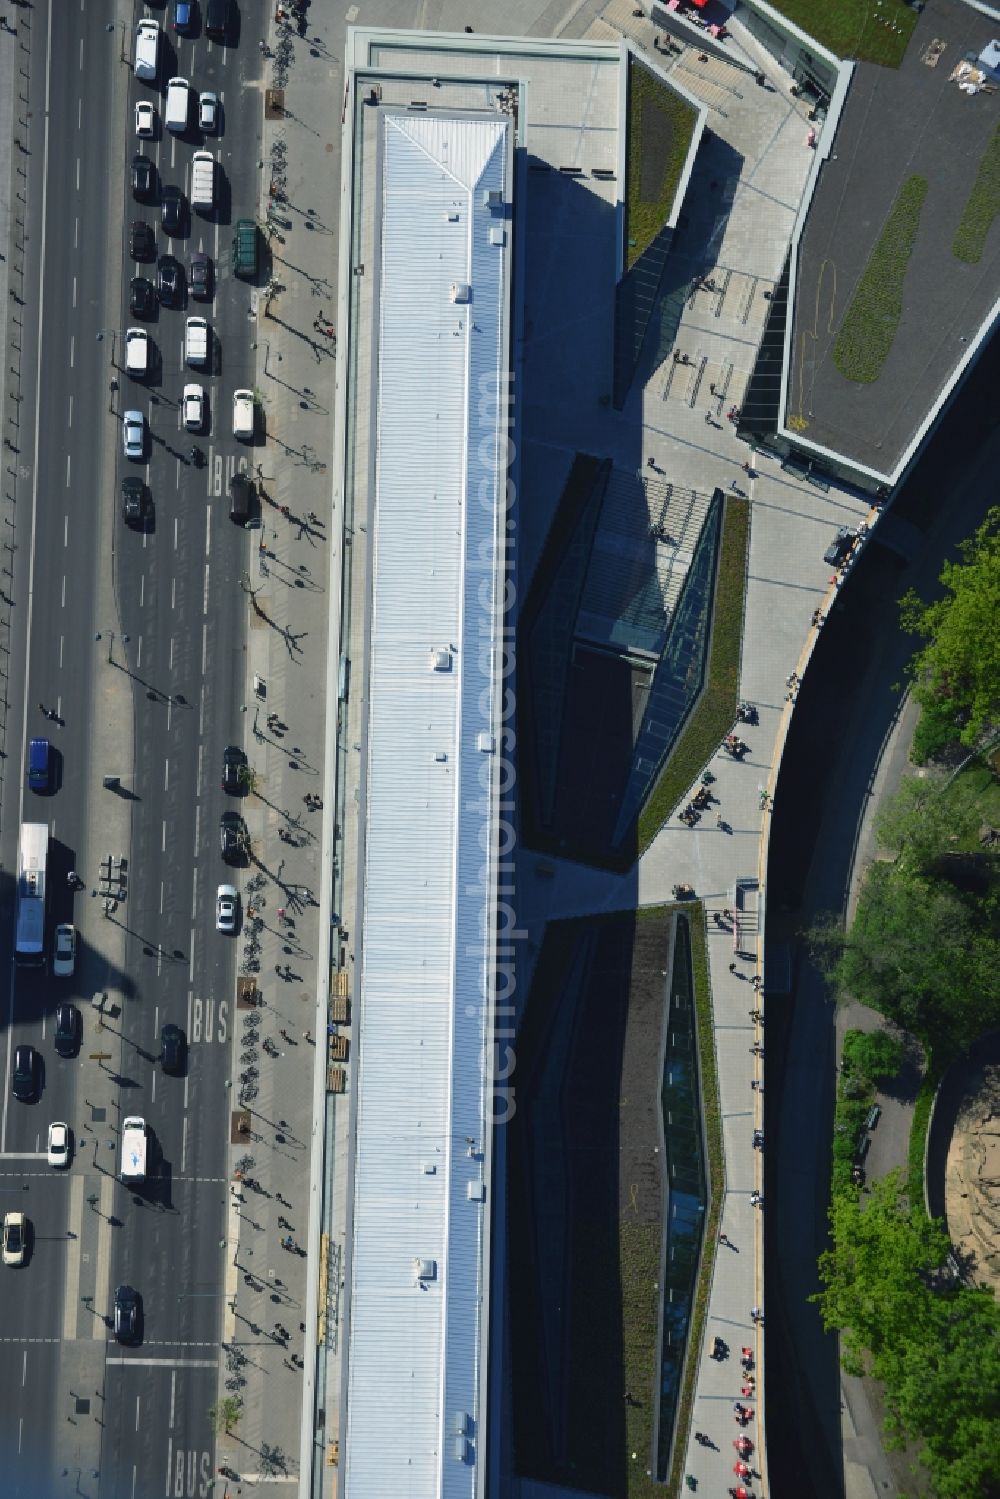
<point>136,637</point>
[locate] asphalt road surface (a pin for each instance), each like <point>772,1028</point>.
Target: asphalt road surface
<point>181,606</point>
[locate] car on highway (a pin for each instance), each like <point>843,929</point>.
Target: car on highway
<point>58,1152</point>
<point>839,546</point>
<point>169,280</point>
<point>173,210</point>
<point>68,1030</point>
<point>172,1048</point>
<point>64,954</point>
<point>233,839</point>
<point>194,407</point>
<point>233,767</point>
<point>145,119</point>
<point>183,16</point>
<point>128,1315</point>
<point>15,1239</point>
<point>200,276</point>
<point>25,1082</point>
<point>141,297</point>
<point>135,502</point>
<point>227,902</point>
<point>241,493</point>
<point>243,414</point>
<point>39,766</point>
<point>143,178</point>
<point>134,434</point>
<point>141,240</point>
<point>208,112</point>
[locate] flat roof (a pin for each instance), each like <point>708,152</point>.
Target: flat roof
<point>914,121</point>
<point>419,1275</point>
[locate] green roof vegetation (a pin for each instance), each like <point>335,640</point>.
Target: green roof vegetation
<point>868,30</point>
<point>659,134</point>
<point>713,717</point>
<point>869,327</point>
<point>982,207</point>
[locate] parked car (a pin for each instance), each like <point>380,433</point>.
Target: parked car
<point>64,955</point>
<point>135,502</point>
<point>145,119</point>
<point>141,297</point>
<point>25,1084</point>
<point>241,493</point>
<point>143,178</point>
<point>68,1030</point>
<point>208,112</point>
<point>194,408</point>
<point>232,837</point>
<point>172,1048</point>
<point>233,764</point>
<point>15,1239</point>
<point>134,434</point>
<point>58,1152</point>
<point>227,902</point>
<point>141,240</point>
<point>128,1315</point>
<point>173,210</point>
<point>200,276</point>
<point>169,280</point>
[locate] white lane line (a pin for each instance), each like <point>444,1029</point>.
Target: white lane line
<point>71,1288</point>
<point>161,897</point>
<point>171,659</point>
<point>168,1363</point>
<point>173,1396</point>
<point>62,642</point>
<point>69,470</point>
<point>208,530</point>
<point>197,825</point>
<point>184,1142</point>
<point>62,594</point>
<point>142,589</point>
<point>204,643</point>
<point>170,713</point>
<point>137,1428</point>
<point>166,775</point>
<point>70,422</point>
<point>65,530</point>
<point>138,654</point>
<point>163,837</point>
<point>78,159</point>
<point>72,343</point>
<point>76,227</point>
<point>197,784</point>
<point>191,965</point>
<point>170,1465</point>
<point>173,593</point>
<point>24,1369</point>
<point>204,601</point>
<point>20,1432</point>
<point>107,1189</point>
<point>175,533</point>
<point>135,1470</point>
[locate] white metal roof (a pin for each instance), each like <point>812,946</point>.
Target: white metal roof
<point>413,1424</point>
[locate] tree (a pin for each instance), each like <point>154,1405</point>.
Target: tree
<point>959,667</point>
<point>226,1413</point>
<point>872,1056</point>
<point>922,822</point>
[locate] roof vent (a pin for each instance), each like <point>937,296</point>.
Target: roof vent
<point>461,1450</point>
<point>440,660</point>
<point>452,216</point>
<point>424,1270</point>
<point>461,291</point>
<point>485,742</point>
<point>498,236</point>
<point>429,1168</point>
<point>475,1191</point>
<point>493,197</point>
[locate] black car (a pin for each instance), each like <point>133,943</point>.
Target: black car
<point>232,838</point>
<point>135,502</point>
<point>169,280</point>
<point>142,241</point>
<point>25,1073</point>
<point>128,1315</point>
<point>173,210</point>
<point>172,1049</point>
<point>233,766</point>
<point>141,297</point>
<point>68,1028</point>
<point>143,178</point>
<point>200,276</point>
<point>839,546</point>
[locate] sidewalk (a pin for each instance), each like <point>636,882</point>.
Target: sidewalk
<point>276,1253</point>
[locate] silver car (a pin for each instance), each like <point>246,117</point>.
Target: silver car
<point>226,909</point>
<point>134,433</point>
<point>208,112</point>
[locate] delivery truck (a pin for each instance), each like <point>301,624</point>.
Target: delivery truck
<point>196,341</point>
<point>134,1149</point>
<point>203,180</point>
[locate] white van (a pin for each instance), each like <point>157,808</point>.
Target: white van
<point>243,413</point>
<point>175,116</point>
<point>196,341</point>
<point>147,50</point>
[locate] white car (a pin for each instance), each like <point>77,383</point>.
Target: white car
<point>208,112</point>
<point>226,905</point>
<point>58,1152</point>
<point>64,957</point>
<point>15,1239</point>
<point>194,408</point>
<point>134,433</point>
<point>145,119</point>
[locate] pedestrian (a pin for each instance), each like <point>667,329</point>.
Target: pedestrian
<point>755,1313</point>
<point>712,390</point>
<point>708,419</point>
<point>723,1239</point>
<point>650,463</point>
<point>718,821</point>
<point>755,1085</point>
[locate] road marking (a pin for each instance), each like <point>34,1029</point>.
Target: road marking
<point>170,1462</point>
<point>135,1470</point>
<point>62,641</point>
<point>108,1184</point>
<point>204,600</point>
<point>170,1363</point>
<point>163,835</point>
<point>71,1289</point>
<point>24,1369</point>
<point>25,1155</point>
<point>62,594</point>
<point>208,531</point>
<point>137,1428</point>
<point>69,470</point>
<point>20,1432</point>
<point>204,642</point>
<point>161,897</point>
<point>65,530</point>
<point>173,1394</point>
<point>197,825</point>
<point>138,654</point>
<point>166,774</point>
<point>175,538</point>
<point>191,966</point>
<point>142,589</point>
<point>70,422</point>
<point>184,1143</point>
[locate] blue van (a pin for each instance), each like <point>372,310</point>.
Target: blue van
<point>40,765</point>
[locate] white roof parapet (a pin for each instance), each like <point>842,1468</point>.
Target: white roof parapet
<point>418,1264</point>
